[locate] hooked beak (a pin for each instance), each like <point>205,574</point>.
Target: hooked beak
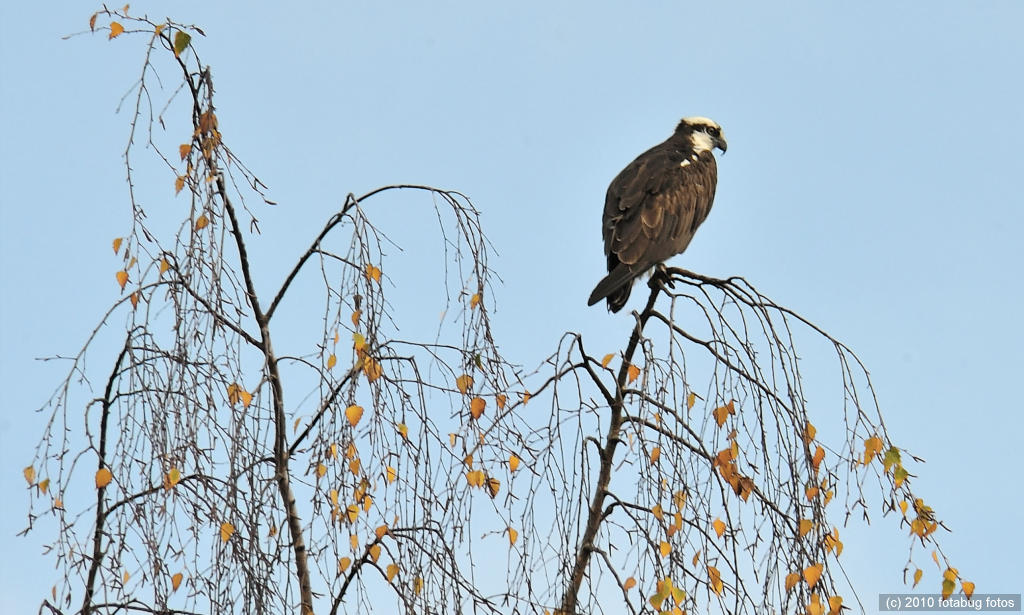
<point>721,144</point>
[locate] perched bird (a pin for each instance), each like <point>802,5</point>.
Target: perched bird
<point>654,206</point>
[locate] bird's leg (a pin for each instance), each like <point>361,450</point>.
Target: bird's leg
<point>661,276</point>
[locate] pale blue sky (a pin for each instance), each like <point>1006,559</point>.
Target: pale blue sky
<point>872,184</point>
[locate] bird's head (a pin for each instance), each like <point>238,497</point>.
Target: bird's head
<point>705,134</point>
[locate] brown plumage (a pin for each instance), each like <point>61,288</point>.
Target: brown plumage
<point>654,206</point>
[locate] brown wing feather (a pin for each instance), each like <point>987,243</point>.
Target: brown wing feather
<point>654,206</point>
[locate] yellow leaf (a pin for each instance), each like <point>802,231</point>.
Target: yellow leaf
<point>513,462</point>
<point>159,28</point>
<point>179,183</point>
<point>92,28</point>
<point>815,607</point>
<point>721,413</point>
<point>392,474</point>
<point>634,373</point>
<point>696,557</point>
<point>381,531</point>
<point>935,557</point>
<point>58,504</point>
<point>791,580</point>
<point>202,222</point>
<point>352,511</point>
<point>690,400</point>
<point>500,400</point>
<point>812,574</point>
<point>812,492</point>
<point>900,474</point>
<point>404,431</point>
<point>173,478</point>
<point>122,278</point>
<point>358,342</point>
<point>375,553</point>
<point>321,469</point>
<point>226,530</point>
<point>353,466</point>
<point>629,584</point>
<point>391,572</point>
<point>872,446</point>
<point>805,526</point>
<point>181,41</point>
<point>463,383</point>
<point>43,485</point>
<point>332,361</point>
<point>103,478</point>
<point>493,486</point>
<point>947,588</point>
<point>513,536</point>
<point>134,298</point>
<point>30,474</point>
<point>655,454</point>
<point>678,595</point>
<point>367,503</point>
<point>343,564</point>
<point>832,542</point>
<point>176,581</point>
<point>295,427</point>
<point>417,585</point>
<point>184,149</point>
<point>917,576</point>
<point>207,122</point>
<point>968,588</point>
<point>475,478</point>
<point>664,548</point>
<point>526,397</point>
<point>656,600</point>
<point>716,580</point>
<point>115,30</point>
<point>117,245</point>
<point>452,437</point>
<point>819,455</point>
<point>719,526</point>
<point>164,265</point>
<point>474,301</point>
<point>835,603</point>
<point>353,414</point>
<point>125,577</point>
<point>237,394</point>
<point>372,273</point>
<point>372,369</point>
<point>809,432</point>
<point>657,512</point>
<point>604,363</point>
<point>476,407</point>
<point>353,540</point>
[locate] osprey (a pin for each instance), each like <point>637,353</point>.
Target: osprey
<point>654,206</point>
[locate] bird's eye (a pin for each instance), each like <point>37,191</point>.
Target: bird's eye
<point>713,131</point>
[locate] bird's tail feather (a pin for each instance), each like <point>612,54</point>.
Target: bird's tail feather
<point>615,287</point>
<point>619,298</point>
